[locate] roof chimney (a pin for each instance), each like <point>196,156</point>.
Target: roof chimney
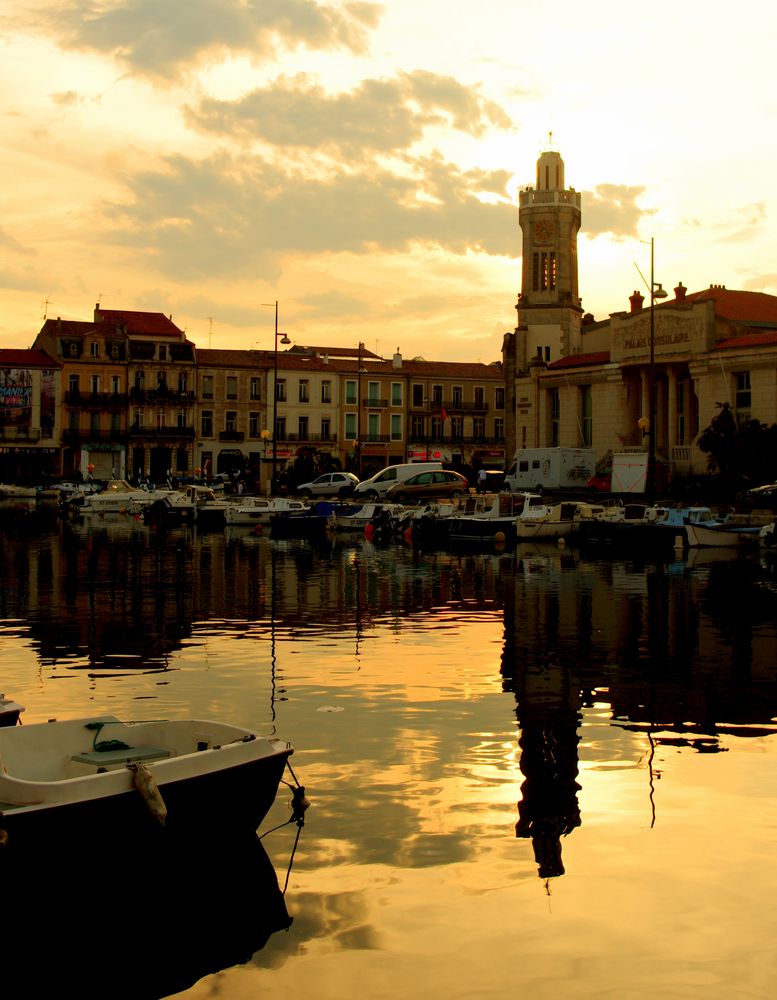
<point>679,292</point>
<point>636,301</point>
<point>397,359</point>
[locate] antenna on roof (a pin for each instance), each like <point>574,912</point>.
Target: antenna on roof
<point>210,329</point>
<point>46,304</point>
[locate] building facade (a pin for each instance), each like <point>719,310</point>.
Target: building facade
<point>573,382</point>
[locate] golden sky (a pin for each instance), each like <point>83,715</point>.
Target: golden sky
<point>359,162</point>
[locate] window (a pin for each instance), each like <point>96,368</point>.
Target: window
<point>554,401</point>
<point>183,381</point>
<point>373,393</point>
<point>94,350</point>
<point>480,397</point>
<point>396,393</point>
<point>114,351</point>
<point>115,423</point>
<point>73,350</point>
<point>416,428</point>
<point>499,429</point>
<point>73,420</point>
<point>373,427</point>
<point>396,426</point>
<point>207,387</point>
<point>280,429</point>
<point>499,398</point>
<point>115,385</point>
<point>253,424</point>
<point>304,390</point>
<point>140,418</point>
<point>743,397</point>
<point>181,419</point>
<point>544,272</point>
<point>458,396</point>
<point>350,392</point>
<point>326,429</point>
<point>435,429</point>
<point>457,428</point>
<point>230,421</point>
<point>94,423</point>
<point>280,390</point>
<point>302,428</point>
<point>73,384</point>
<point>231,386</point>
<point>161,380</point>
<point>350,426</point>
<point>418,395</point>
<point>140,380</point>
<point>254,388</point>
<point>437,395</point>
<point>161,419</point>
<point>586,416</point>
<point>163,352</point>
<point>326,391</point>
<point>206,427</point>
<point>94,384</point>
<point>479,428</point>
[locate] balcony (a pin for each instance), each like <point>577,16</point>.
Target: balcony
<point>162,394</point>
<point>103,400</point>
<point>80,436</point>
<point>232,436</point>
<point>167,433</point>
<point>309,438</point>
<point>26,434</point>
<point>371,403</point>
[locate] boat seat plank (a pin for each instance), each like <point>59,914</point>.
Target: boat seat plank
<point>101,758</point>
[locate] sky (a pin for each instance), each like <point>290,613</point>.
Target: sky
<point>359,162</point>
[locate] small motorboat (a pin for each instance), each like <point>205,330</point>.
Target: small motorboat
<point>9,711</point>
<point>88,779</point>
<point>251,510</point>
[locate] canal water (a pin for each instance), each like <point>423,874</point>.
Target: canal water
<point>534,773</point>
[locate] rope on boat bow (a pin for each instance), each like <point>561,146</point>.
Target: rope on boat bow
<point>299,806</point>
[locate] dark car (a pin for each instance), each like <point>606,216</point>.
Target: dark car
<point>330,484</point>
<point>434,485</point>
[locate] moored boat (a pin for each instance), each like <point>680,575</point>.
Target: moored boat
<point>724,535</point>
<point>253,510</point>
<point>546,521</point>
<point>491,517</point>
<point>96,777</point>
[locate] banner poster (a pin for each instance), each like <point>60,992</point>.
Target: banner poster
<point>15,397</point>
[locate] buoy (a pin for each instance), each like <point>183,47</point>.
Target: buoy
<point>143,780</point>
<point>678,542</point>
<point>562,542</point>
<point>369,531</point>
<point>500,537</point>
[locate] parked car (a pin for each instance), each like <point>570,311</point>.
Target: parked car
<point>431,485</point>
<point>330,484</point>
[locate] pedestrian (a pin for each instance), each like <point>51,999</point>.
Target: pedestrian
<point>482,478</point>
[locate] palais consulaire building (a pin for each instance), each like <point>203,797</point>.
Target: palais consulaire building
<point>128,393</point>
<point>571,381</point>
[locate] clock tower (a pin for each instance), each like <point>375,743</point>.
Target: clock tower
<point>549,307</point>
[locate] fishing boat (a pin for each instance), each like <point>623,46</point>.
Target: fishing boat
<point>353,518</point>
<point>97,778</point>
<point>728,535</point>
<point>490,517</point>
<point>546,521</point>
<point>258,510</point>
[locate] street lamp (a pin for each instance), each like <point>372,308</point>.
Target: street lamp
<point>656,292</point>
<point>285,340</point>
<point>361,371</point>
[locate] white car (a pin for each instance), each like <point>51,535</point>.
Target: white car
<point>331,484</point>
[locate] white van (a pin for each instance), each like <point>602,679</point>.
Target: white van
<point>376,486</point>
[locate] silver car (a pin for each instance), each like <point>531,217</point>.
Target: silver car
<point>330,484</point>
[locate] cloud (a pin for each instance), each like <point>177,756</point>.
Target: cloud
<point>378,116</point>
<point>612,208</point>
<point>234,215</point>
<point>163,38</point>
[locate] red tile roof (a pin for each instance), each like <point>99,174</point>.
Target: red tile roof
<point>582,360</point>
<point>33,358</point>
<point>748,340</point>
<point>742,307</point>
<point>146,324</point>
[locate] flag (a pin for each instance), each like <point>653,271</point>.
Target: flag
<point>443,414</point>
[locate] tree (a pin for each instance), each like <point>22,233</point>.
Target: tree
<point>741,454</point>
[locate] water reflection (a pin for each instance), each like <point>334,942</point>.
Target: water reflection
<point>463,718</point>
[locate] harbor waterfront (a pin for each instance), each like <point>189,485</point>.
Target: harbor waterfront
<point>541,770</point>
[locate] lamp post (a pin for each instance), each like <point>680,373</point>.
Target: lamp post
<point>285,340</point>
<point>656,292</point>
<point>359,374</point>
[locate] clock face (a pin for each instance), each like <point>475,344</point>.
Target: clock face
<point>543,230</point>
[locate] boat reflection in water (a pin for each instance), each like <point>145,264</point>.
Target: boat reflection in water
<point>137,924</point>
